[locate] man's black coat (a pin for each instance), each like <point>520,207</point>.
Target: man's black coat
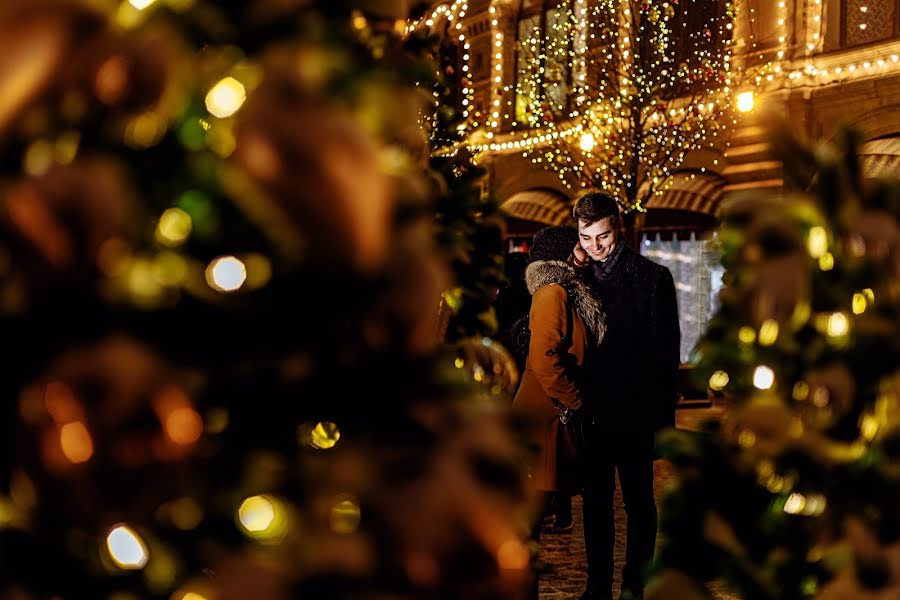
<point>631,380</point>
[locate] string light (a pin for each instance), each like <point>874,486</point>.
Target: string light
<point>579,19</point>
<point>454,14</point>
<point>561,58</point>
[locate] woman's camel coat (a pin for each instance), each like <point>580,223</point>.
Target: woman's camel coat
<point>555,355</point>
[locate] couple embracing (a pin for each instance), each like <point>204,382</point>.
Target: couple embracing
<point>604,349</point>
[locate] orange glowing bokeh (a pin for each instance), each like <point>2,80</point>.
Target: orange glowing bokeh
<point>76,443</point>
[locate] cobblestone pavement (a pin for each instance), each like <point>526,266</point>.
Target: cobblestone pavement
<point>565,551</point>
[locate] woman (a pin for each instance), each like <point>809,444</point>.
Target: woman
<point>565,320</point>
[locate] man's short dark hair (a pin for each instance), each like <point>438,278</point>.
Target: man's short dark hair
<point>596,206</point>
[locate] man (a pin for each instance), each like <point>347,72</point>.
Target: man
<point>629,392</point>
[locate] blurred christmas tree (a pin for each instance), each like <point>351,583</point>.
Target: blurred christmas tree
<point>468,217</point>
<point>796,492</point>
<point>220,288</point>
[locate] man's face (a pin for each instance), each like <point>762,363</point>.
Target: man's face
<point>597,239</point>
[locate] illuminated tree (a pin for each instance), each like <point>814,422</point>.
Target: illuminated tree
<point>795,491</point>
<point>622,90</point>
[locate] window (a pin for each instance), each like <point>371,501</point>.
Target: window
<point>695,267</point>
<point>547,38</point>
<point>867,21</point>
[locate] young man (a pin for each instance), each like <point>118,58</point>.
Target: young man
<point>629,392</point>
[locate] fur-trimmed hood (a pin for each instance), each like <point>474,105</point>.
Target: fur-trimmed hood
<point>543,272</point>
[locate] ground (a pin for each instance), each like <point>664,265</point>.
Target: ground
<point>565,551</point>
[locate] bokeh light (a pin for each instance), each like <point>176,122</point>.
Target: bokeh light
<point>226,274</point>
<point>174,227</point>
<point>763,377</point>
<point>226,97</point>
<point>718,380</point>
<point>126,548</point>
<point>256,513</point>
<point>345,515</point>
<point>324,435</point>
<point>76,442</point>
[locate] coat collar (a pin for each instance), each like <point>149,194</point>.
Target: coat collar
<point>544,272</point>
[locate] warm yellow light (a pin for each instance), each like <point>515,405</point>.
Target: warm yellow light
<point>817,242</point>
<point>324,436</point>
<point>512,555</point>
<point>746,438</point>
<point>126,548</point>
<point>768,332</point>
<point>745,101</point>
<point>718,380</point>
<point>826,261</point>
<point>226,274</point>
<point>868,426</point>
<point>869,294</point>
<point>174,227</point>
<point>345,515</point>
<point>256,514</point>
<point>141,4</point>
<point>815,505</point>
<point>587,142</point>
<point>763,377</point>
<point>226,97</point>
<point>38,158</point>
<point>747,335</point>
<point>183,425</point>
<point>838,325</point>
<point>859,304</point>
<point>794,504</point>
<point>800,391</point>
<point>76,443</point>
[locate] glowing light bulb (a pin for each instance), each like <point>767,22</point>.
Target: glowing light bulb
<point>817,242</point>
<point>141,4</point>
<point>745,101</point>
<point>838,325</point>
<point>763,377</point>
<point>226,274</point>
<point>768,332</point>
<point>256,514</point>
<point>794,504</point>
<point>76,443</point>
<point>718,380</point>
<point>226,97</point>
<point>587,142</point>
<point>126,548</point>
<point>174,227</point>
<point>324,436</point>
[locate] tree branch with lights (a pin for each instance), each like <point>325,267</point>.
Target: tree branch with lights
<point>651,81</point>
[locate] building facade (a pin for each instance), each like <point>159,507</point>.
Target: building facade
<point>816,64</point>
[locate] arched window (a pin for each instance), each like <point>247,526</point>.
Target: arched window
<point>867,21</point>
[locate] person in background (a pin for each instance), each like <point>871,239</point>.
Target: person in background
<point>629,393</point>
<point>566,321</point>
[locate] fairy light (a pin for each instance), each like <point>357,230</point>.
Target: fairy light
<point>126,548</point>
<point>763,377</point>
<point>814,12</point>
<point>782,29</point>
<point>542,141</point>
<point>454,16</point>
